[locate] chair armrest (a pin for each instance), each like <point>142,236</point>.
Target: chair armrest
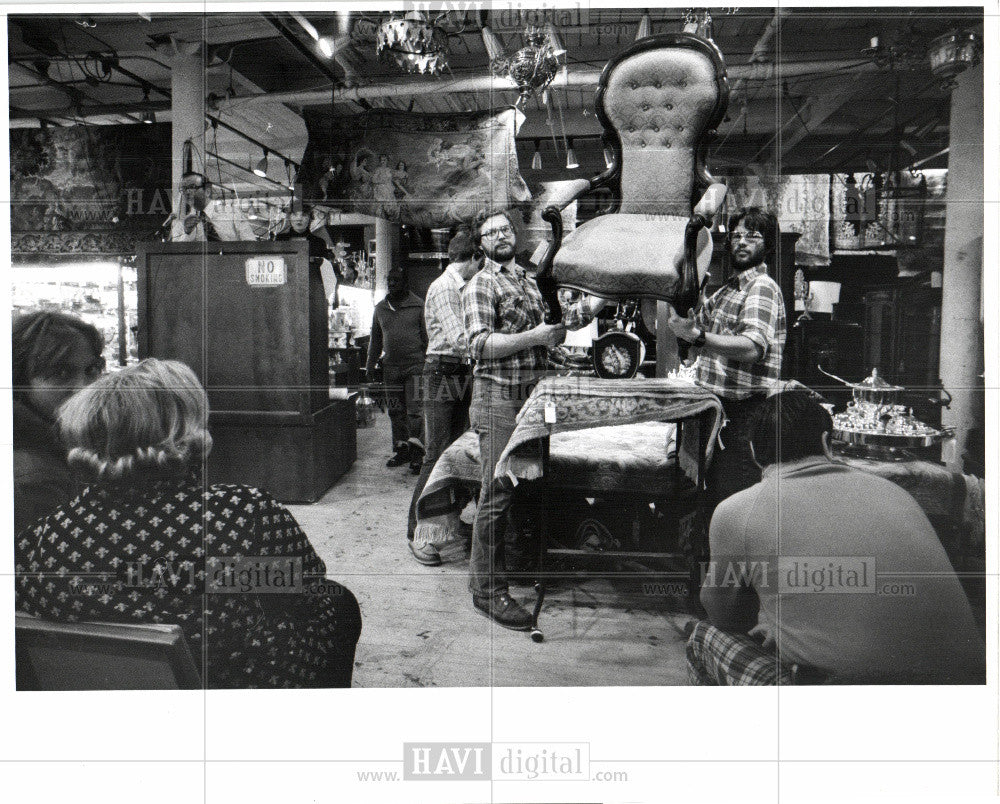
<point>567,193</point>
<point>571,191</point>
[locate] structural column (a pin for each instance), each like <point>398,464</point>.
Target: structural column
<point>386,246</point>
<point>961,311</point>
<point>187,97</point>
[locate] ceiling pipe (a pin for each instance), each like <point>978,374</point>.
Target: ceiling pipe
<point>761,52</point>
<point>581,78</point>
<point>278,23</point>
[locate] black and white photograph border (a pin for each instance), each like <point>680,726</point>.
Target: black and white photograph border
<point>325,378</point>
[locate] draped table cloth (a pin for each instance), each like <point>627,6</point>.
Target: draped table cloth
<point>608,436</point>
<point>633,454</point>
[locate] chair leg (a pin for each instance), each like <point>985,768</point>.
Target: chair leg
<point>543,537</point>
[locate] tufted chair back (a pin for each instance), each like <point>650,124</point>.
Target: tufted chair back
<point>661,98</point>
<point>659,102</point>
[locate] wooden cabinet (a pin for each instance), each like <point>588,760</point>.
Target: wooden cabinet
<point>834,345</point>
<point>258,343</point>
<point>902,334</point>
<point>902,339</point>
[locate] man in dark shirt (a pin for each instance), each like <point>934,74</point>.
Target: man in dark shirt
<point>398,330</point>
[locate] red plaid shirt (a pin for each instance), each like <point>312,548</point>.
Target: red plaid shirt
<point>498,299</point>
<point>751,305</point>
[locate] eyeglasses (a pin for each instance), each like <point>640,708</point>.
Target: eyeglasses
<point>749,237</point>
<point>503,230</point>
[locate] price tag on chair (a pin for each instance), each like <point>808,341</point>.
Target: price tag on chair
<point>550,413</point>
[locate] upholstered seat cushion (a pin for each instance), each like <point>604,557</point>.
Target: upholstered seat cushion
<point>627,256</point>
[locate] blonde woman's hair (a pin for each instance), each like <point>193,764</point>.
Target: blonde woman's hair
<point>146,421</point>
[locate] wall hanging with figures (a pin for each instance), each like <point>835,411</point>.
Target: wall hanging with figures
<point>87,190</point>
<point>427,170</point>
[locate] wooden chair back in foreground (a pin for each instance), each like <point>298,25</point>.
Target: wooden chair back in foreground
<point>102,656</point>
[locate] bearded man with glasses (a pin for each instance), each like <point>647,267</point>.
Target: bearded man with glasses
<point>737,337</point>
<point>509,341</point>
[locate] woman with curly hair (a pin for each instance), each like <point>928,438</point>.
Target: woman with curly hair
<point>149,542</point>
<point>53,355</point>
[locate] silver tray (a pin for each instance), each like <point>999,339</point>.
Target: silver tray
<point>895,440</point>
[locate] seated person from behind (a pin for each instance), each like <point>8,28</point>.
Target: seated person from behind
<point>199,218</point>
<point>53,356</point>
<point>799,562</point>
<point>147,539</point>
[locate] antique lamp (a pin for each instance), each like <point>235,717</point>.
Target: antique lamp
<point>414,43</point>
<point>953,53</point>
<point>531,68</point>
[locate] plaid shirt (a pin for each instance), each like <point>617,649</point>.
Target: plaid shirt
<point>499,299</point>
<point>443,316</point>
<point>751,305</point>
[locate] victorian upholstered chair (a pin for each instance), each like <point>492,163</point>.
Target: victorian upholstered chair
<point>659,102</point>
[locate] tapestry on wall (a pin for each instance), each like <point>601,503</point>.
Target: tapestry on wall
<point>877,211</point>
<point>801,203</point>
<point>427,170</point>
<point>87,190</point>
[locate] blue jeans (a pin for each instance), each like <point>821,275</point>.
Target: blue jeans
<point>446,391</point>
<point>493,413</point>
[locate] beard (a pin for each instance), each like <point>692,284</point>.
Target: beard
<point>749,258</point>
<point>501,252</point>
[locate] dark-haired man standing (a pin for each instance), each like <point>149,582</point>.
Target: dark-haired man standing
<point>398,331</point>
<point>200,220</point>
<point>829,568</point>
<point>738,336</point>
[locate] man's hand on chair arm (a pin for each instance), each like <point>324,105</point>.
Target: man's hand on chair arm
<point>733,347</point>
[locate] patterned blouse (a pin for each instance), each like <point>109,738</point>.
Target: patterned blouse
<point>229,564</point>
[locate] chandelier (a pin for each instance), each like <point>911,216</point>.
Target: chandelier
<point>953,53</point>
<point>414,43</point>
<point>531,68</point>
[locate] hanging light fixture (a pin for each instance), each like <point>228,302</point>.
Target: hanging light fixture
<point>953,53</point>
<point>536,160</point>
<point>147,116</point>
<point>571,162</point>
<point>531,68</point>
<point>260,169</point>
<point>645,27</point>
<point>324,43</point>
<point>414,43</point>
<point>699,22</point>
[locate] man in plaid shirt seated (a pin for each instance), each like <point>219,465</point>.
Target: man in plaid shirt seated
<point>738,336</point>
<point>509,341</point>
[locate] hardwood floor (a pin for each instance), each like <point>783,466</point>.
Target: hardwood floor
<point>420,629</point>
